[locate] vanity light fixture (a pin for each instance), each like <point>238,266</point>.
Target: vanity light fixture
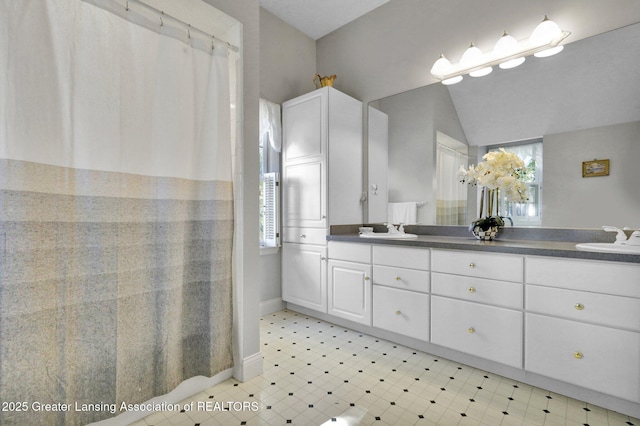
<point>507,53</point>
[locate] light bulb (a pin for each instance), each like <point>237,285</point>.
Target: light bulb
<point>507,46</point>
<point>473,57</point>
<point>545,32</point>
<point>441,66</point>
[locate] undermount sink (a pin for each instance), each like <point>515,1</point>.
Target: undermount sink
<point>388,236</point>
<point>609,248</point>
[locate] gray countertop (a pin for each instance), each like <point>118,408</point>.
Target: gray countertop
<point>526,247</point>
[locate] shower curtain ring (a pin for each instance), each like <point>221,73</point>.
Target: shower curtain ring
<point>189,31</point>
<point>127,6</point>
<point>161,21</point>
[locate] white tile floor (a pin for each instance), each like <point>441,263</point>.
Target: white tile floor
<point>316,373</point>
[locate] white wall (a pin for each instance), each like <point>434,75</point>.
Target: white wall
<point>595,201</point>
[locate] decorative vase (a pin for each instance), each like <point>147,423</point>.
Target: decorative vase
<point>487,228</point>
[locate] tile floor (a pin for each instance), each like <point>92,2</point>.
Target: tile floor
<point>316,373</point>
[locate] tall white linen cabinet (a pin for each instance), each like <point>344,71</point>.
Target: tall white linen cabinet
<point>321,186</point>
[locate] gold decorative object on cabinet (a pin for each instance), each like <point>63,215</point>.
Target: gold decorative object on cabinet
<point>472,289</point>
<point>472,265</point>
<point>323,81</point>
<point>579,306</point>
<point>578,355</point>
<point>471,330</point>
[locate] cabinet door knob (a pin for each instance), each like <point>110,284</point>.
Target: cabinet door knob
<point>303,236</point>
<point>471,330</point>
<point>577,355</point>
<point>472,289</point>
<point>579,306</point>
<point>398,313</point>
<point>323,258</point>
<point>398,278</point>
<point>366,278</point>
<point>472,265</point>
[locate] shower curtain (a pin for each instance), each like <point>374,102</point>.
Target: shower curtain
<point>116,211</point>
<point>451,194</point>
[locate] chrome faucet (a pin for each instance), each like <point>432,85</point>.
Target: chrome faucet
<point>392,229</point>
<point>621,238</point>
<point>634,239</point>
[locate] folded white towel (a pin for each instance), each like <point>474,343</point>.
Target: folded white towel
<point>403,213</point>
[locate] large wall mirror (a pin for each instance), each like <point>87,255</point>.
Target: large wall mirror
<point>582,104</point>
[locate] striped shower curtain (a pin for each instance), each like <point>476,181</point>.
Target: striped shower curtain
<point>116,211</point>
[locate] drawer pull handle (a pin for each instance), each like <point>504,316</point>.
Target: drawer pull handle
<point>471,330</point>
<point>579,306</point>
<point>398,313</point>
<point>577,355</point>
<point>472,289</point>
<point>303,236</point>
<point>398,279</point>
<point>472,265</point>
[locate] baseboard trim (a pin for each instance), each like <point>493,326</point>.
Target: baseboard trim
<point>273,305</point>
<point>249,367</point>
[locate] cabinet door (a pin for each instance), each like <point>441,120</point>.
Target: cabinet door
<point>304,275</point>
<point>485,331</point>
<point>599,358</point>
<point>304,127</point>
<point>349,288</point>
<point>304,194</point>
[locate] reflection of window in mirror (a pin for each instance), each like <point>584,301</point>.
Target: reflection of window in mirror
<point>451,194</point>
<point>527,213</point>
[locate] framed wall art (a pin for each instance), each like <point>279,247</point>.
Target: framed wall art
<point>595,168</point>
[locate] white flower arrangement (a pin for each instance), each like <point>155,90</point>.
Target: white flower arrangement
<point>500,172</point>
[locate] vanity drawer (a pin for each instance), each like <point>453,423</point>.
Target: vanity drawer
<point>602,277</point>
<point>482,265</point>
<point>501,293</point>
<point>351,252</point>
<point>317,236</point>
<point>614,311</point>
<point>402,257</point>
<point>401,311</point>
<point>404,279</point>
<point>485,331</point>
<point>591,356</point>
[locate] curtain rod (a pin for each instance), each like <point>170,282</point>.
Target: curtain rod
<point>188,26</point>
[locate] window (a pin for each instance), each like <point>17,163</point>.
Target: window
<point>270,146</point>
<point>527,213</point>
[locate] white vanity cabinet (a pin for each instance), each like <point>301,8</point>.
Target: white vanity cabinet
<point>349,281</point>
<point>321,186</point>
<point>476,304</point>
<point>583,324</point>
<point>401,283</point>
<point>304,275</point>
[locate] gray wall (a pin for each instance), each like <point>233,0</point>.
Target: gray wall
<point>287,67</point>
<point>414,118</point>
<point>246,313</point>
<point>392,48</point>
<point>595,201</point>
